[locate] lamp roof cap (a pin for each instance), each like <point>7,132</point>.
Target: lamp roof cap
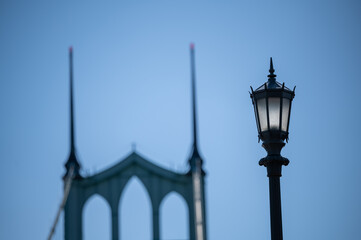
<point>272,83</point>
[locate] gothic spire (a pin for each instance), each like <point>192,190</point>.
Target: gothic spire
<point>71,102</point>
<point>193,77</point>
<point>195,159</point>
<point>72,160</point>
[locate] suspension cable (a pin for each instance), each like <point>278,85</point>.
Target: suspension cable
<point>68,182</point>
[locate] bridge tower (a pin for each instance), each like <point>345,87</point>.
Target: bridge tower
<point>157,181</point>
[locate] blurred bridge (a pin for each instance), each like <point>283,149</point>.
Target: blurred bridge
<point>110,183</point>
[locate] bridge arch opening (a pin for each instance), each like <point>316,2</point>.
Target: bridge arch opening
<point>135,212</point>
<point>174,217</point>
<point>96,219</point>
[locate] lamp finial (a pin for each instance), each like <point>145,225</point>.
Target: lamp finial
<point>271,76</point>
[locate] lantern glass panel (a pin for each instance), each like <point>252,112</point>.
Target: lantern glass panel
<point>274,107</point>
<point>285,113</point>
<point>256,114</point>
<point>262,113</point>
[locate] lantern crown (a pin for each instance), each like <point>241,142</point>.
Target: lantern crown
<point>272,83</point>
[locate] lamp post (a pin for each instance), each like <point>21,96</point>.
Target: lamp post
<point>272,107</point>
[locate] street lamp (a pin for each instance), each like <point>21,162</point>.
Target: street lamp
<point>272,107</point>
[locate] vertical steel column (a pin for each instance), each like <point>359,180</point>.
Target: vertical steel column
<point>156,235</point>
<point>115,222</point>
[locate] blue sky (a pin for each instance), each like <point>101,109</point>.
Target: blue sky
<point>132,85</point>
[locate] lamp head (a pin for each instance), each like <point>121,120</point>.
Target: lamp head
<point>272,107</point>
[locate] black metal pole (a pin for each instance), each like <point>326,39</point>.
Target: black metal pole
<point>275,207</point>
<point>274,162</point>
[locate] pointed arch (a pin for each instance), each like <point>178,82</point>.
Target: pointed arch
<point>135,211</point>
<point>174,217</point>
<point>152,182</point>
<point>97,218</point>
